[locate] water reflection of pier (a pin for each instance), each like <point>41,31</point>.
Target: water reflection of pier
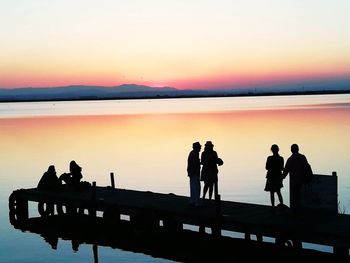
<point>160,214</point>
<point>182,246</point>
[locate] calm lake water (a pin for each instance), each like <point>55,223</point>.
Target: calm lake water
<point>146,143</point>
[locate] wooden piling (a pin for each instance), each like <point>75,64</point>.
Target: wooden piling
<point>216,229</point>
<point>93,209</point>
<point>93,197</point>
<point>112,180</point>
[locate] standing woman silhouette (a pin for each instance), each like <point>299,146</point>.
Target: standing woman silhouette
<point>274,166</point>
<point>209,173</point>
<point>72,179</point>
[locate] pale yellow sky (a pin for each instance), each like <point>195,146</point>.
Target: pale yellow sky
<point>184,43</point>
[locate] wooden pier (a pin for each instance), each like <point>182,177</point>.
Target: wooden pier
<point>149,211</point>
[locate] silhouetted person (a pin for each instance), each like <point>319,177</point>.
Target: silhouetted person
<point>49,180</point>
<point>209,173</point>
<point>274,166</point>
<point>72,179</point>
<point>297,167</point>
<point>75,245</point>
<point>193,172</point>
<point>51,238</point>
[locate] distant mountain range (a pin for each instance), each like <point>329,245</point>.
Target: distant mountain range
<point>130,91</point>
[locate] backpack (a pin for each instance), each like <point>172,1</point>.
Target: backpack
<point>308,174</point>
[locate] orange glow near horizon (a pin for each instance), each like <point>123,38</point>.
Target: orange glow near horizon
<point>18,80</point>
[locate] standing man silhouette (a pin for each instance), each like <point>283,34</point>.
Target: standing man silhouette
<point>297,167</point>
<point>193,172</point>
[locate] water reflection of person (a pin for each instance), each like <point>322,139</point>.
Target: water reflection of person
<point>209,173</point>
<point>193,172</point>
<point>274,166</point>
<point>72,179</point>
<point>51,238</point>
<point>75,245</point>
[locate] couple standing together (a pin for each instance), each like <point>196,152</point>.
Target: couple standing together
<point>299,171</point>
<point>208,174</point>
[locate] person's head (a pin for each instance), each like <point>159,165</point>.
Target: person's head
<point>196,146</point>
<point>209,145</point>
<point>294,148</point>
<point>73,166</point>
<point>51,169</point>
<point>274,148</point>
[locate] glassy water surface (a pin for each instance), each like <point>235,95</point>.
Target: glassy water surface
<point>146,143</point>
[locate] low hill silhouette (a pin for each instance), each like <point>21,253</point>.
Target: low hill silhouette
<point>133,91</point>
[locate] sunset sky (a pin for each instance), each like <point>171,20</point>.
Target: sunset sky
<point>178,43</point>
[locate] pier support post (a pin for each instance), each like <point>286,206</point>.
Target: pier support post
<point>112,214</point>
<point>341,251</point>
<point>216,190</point>
<point>95,252</point>
<point>18,207</point>
<point>145,221</point>
<point>202,229</point>
<point>93,197</point>
<point>218,206</point>
<point>22,207</point>
<point>216,229</point>
<point>112,180</point>
<point>259,238</point>
<point>170,224</point>
<point>93,200</point>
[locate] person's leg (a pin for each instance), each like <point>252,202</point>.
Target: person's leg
<point>216,189</point>
<point>280,198</point>
<point>205,189</point>
<point>192,190</point>
<point>211,187</point>
<point>272,198</point>
<point>197,191</point>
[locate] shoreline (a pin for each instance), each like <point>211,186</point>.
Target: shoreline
<point>219,95</point>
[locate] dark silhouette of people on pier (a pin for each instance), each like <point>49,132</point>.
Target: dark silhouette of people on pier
<point>297,167</point>
<point>274,166</point>
<point>49,180</point>
<point>193,172</point>
<point>72,179</point>
<point>209,173</point>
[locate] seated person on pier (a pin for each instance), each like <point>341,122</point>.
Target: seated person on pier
<point>49,180</point>
<point>72,179</point>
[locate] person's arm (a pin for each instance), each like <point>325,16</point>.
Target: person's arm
<point>189,164</point>
<point>219,161</point>
<point>267,164</point>
<point>286,169</point>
